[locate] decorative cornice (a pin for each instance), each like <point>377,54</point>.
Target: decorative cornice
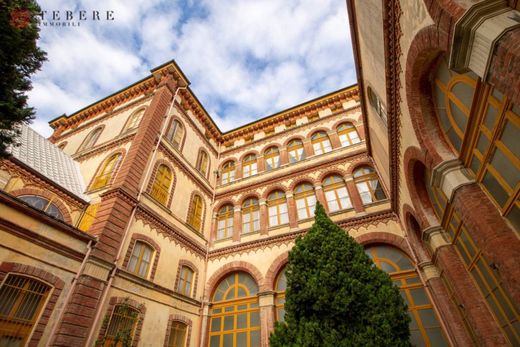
<point>286,238</point>
<point>167,229</point>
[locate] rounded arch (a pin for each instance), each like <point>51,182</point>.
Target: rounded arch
<point>347,119</point>
<point>313,131</point>
<point>414,231</point>
<point>276,266</point>
<point>335,171</point>
<point>92,137</point>
<point>229,160</point>
<point>297,182</point>
<point>120,151</point>
<point>184,129</point>
<point>223,203</point>
<point>423,56</point>
<point>130,118</point>
<point>271,145</point>
<point>363,162</point>
<point>192,209</point>
<point>149,241</point>
<point>295,137</point>
<point>273,188</point>
<point>242,157</point>
<point>381,237</point>
<point>65,211</point>
<point>248,196</point>
<point>158,163</point>
<point>225,270</point>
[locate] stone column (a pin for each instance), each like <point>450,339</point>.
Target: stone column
<point>264,216</point>
<point>237,223</point>
<point>353,193</point>
<point>266,303</point>
<point>291,209</point>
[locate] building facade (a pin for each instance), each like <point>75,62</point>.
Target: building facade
<point>439,85</point>
<point>139,221</point>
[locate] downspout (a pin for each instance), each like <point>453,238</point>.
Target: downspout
<point>69,295</point>
<point>203,333</point>
<point>427,290</point>
<point>132,215</point>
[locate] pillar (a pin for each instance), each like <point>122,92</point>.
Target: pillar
<point>264,216</point>
<point>237,223</point>
<point>266,303</point>
<point>291,209</point>
<point>353,193</point>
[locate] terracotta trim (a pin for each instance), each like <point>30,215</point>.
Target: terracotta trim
<point>138,109</point>
<point>104,147</point>
<point>173,183</point>
<point>378,237</point>
<point>47,195</point>
<point>276,266</point>
<point>203,214</point>
<point>234,266</point>
<point>121,151</point>
<point>182,319</point>
<point>189,264</point>
<point>55,283</point>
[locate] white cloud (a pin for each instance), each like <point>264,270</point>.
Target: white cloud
<point>245,59</point>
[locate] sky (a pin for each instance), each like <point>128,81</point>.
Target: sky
<point>245,59</point>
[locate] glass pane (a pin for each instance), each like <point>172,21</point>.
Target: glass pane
<point>483,143</point>
<point>242,321</point>
<point>464,93</point>
<point>428,318</point>
<point>506,168</point>
<point>255,339</point>
<point>510,138</point>
<point>491,116</point>
<point>242,339</point>
<point>436,337</point>
<point>419,296</point>
<point>495,189</point>
<point>229,322</point>
<point>228,340</point>
<point>215,324</point>
<point>254,319</point>
<point>514,216</point>
<point>214,341</point>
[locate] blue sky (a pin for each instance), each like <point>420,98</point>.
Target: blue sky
<point>245,58</point>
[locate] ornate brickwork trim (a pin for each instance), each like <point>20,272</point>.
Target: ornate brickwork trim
<point>42,275</point>
<point>155,221</point>
<point>49,196</point>
<point>274,270</point>
<point>229,268</point>
<point>182,319</point>
<point>385,238</point>
<point>104,147</point>
<point>190,211</point>
<point>151,180</point>
<point>152,243</point>
<point>121,151</point>
<point>141,308</point>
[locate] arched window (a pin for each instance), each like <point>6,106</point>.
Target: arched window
<point>42,204</point>
<point>305,200</point>
<point>185,284</point>
<point>348,134</point>
<point>228,172</point>
<point>195,212</point>
<point>320,142</point>
<point>178,332</point>
<point>279,297</point>
<point>336,193</point>
<point>21,301</point>
<point>368,185</point>
<point>122,324</point>
<point>62,145</point>
<point>272,158</point>
<point>175,133</point>
<point>277,208</point>
<point>225,222</point>
<point>202,163</point>
<point>234,314</point>
<point>161,184</point>
<point>295,150</point>
<point>425,329</point>
<point>249,165</point>
<point>91,139</point>
<point>134,120</point>
<point>250,216</point>
<point>106,172</point>
<point>140,259</point>
<point>453,99</point>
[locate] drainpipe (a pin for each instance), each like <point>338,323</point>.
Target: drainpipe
<point>125,235</point>
<point>69,295</point>
<point>202,332</point>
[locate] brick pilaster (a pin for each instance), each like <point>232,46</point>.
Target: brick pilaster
<point>263,217</point>
<point>237,223</point>
<point>291,209</point>
<point>353,193</point>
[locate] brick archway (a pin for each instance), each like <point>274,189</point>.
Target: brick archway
<point>274,269</point>
<point>234,266</point>
<point>385,238</point>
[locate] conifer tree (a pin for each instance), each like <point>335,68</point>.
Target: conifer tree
<point>336,296</point>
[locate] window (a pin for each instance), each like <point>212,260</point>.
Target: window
<point>228,172</point>
<point>277,208</point>
<point>234,313</point>
<point>453,95</point>
<point>185,281</point>
<point>161,184</point>
<point>279,296</point>
<point>62,145</point>
<point>134,120</point>
<point>272,158</point>
<point>175,133</point>
<point>42,204</point>
<point>195,212</point>
<point>249,165</point>
<point>250,216</point>
<point>320,142</point>
<point>91,139</point>
<point>202,163</point>
<point>368,185</point>
<point>425,329</point>
<point>178,334</point>
<point>295,150</point>
<point>140,259</point>
<point>377,104</point>
<point>225,222</point>
<point>104,175</point>
<point>336,193</point>
<point>305,200</point>
<point>21,301</point>
<point>123,322</point>
<point>348,135</point>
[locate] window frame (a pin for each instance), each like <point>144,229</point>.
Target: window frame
<point>162,184</point>
<point>305,195</point>
<point>196,211</point>
<point>345,129</point>
<point>250,162</point>
<point>228,172</point>
<point>334,186</point>
<point>225,214</point>
<point>137,270</point>
<point>253,211</point>
<point>91,138</point>
<point>102,174</point>
<point>272,157</point>
<point>321,142</point>
<point>276,202</point>
<point>294,146</point>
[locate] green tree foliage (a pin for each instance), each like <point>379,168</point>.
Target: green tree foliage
<point>336,296</point>
<point>19,58</point>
